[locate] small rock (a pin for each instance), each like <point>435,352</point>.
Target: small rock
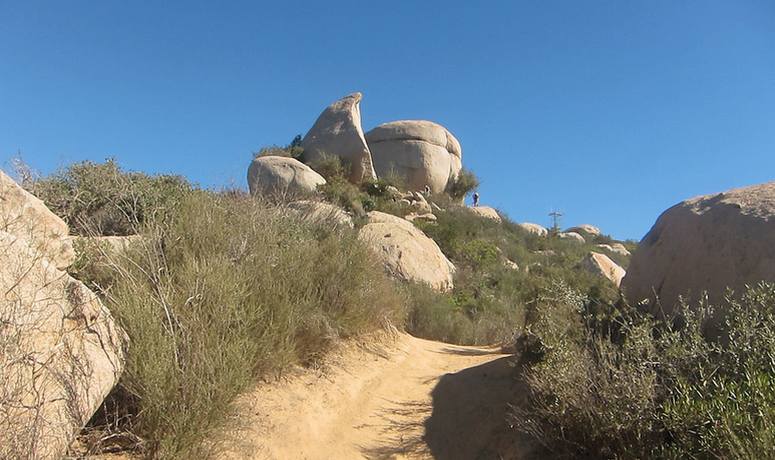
<point>534,229</point>
<point>584,228</point>
<point>486,212</point>
<point>600,264</point>
<point>573,236</point>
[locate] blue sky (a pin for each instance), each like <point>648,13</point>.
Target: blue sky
<point>610,111</point>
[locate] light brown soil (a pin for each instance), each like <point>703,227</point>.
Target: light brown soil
<point>412,399</point>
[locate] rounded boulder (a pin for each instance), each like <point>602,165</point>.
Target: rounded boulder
<point>709,243</point>
<point>282,176</point>
<point>418,151</point>
<point>407,253</point>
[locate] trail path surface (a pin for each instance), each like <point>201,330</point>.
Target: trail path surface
<point>412,399</point>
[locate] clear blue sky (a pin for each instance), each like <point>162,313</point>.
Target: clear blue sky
<point>610,111</point>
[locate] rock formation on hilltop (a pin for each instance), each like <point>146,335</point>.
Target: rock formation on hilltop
<point>338,132</point>
<point>418,151</point>
<point>706,243</point>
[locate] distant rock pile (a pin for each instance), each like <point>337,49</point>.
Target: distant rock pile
<point>418,153</point>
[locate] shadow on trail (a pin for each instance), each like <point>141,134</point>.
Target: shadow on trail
<point>468,351</point>
<point>401,431</point>
<point>469,414</point>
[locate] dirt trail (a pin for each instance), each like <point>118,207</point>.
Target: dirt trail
<point>412,399</point>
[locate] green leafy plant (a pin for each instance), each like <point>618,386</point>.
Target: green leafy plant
<point>465,183</point>
<point>102,199</point>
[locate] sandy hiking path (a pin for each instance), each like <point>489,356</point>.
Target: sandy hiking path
<point>411,398</point>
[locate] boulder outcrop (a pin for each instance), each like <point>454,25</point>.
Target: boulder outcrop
<point>584,228</point>
<point>535,229</point>
<point>420,152</point>
<point>602,265</point>
<point>322,212</point>
<point>572,236</point>
<point>616,248</point>
<point>62,353</point>
<point>338,132</point>
<point>407,253</point>
<point>25,216</point>
<point>282,176</point>
<point>486,212</point>
<point>707,243</point>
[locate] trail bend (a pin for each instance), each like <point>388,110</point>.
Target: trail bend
<point>410,399</point>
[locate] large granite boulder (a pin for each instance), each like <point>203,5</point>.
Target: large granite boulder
<point>707,243</point>
<point>420,152</point>
<point>25,216</point>
<point>486,212</point>
<point>407,253</point>
<point>602,265</point>
<point>338,132</point>
<point>62,353</point>
<point>282,176</point>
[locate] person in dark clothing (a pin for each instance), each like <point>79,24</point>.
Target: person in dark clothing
<point>476,198</point>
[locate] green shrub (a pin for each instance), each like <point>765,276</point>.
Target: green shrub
<point>331,167</point>
<point>226,290</point>
<point>455,318</point>
<point>292,150</point>
<point>490,297</point>
<point>100,198</point>
<point>613,382</point>
<point>463,184</point>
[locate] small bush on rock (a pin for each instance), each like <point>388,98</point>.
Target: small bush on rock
<point>465,183</point>
<point>292,150</point>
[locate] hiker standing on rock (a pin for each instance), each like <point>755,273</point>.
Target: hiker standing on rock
<point>476,199</point>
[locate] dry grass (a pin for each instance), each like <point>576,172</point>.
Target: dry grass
<point>228,290</point>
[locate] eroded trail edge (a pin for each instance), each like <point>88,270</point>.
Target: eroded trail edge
<point>409,398</point>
